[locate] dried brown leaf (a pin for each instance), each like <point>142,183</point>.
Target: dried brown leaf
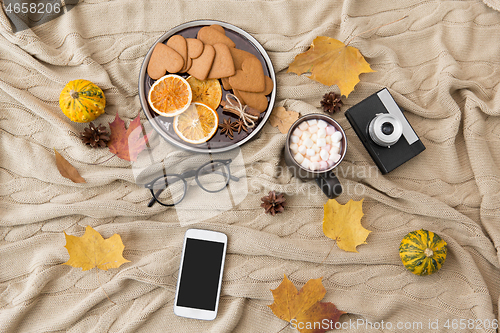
<point>67,170</point>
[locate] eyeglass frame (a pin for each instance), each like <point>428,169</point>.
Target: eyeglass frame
<point>188,174</point>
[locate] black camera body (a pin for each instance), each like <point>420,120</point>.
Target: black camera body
<point>384,131</point>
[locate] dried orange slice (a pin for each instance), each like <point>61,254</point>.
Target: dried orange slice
<point>197,124</point>
<point>208,92</point>
<point>170,95</point>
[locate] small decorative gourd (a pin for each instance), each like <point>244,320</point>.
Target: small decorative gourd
<point>422,252</point>
<point>82,101</point>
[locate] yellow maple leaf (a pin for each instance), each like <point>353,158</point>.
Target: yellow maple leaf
<point>331,62</point>
<point>342,223</point>
<point>283,119</point>
<point>92,250</point>
<point>304,306</point>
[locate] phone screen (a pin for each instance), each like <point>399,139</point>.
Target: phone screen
<point>199,281</point>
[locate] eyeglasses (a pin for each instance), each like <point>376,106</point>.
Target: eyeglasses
<point>170,189</point>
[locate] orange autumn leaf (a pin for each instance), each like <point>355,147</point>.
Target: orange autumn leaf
<point>331,62</point>
<point>342,223</point>
<point>67,170</point>
<point>126,143</point>
<point>302,309</point>
<point>92,250</point>
<point>283,119</point>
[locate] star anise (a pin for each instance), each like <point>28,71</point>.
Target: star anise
<point>239,125</point>
<point>273,203</point>
<point>95,136</point>
<point>331,102</point>
<point>227,128</point>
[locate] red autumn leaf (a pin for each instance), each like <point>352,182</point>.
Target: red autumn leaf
<point>126,143</point>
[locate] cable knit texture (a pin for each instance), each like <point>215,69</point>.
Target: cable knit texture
<point>442,66</point>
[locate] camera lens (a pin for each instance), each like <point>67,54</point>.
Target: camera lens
<point>387,128</point>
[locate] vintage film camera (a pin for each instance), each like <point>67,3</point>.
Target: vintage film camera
<point>384,130</point>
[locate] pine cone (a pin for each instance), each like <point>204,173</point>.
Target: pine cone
<point>331,102</point>
<point>95,136</point>
<point>273,203</point>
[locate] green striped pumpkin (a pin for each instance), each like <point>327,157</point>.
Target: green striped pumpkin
<point>422,252</point>
<point>82,101</point>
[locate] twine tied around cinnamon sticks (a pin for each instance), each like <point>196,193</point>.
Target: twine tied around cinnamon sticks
<point>247,114</point>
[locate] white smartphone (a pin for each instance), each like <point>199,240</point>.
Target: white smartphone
<point>200,274</point>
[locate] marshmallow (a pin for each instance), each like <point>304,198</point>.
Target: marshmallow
<point>321,133</point>
<point>313,129</point>
<point>305,135</point>
<point>314,137</point>
<point>327,147</point>
<point>310,152</point>
<point>294,148</point>
<point>297,132</point>
<point>322,123</point>
<point>324,154</point>
<point>323,165</point>
<point>336,137</point>
<point>315,158</point>
<point>303,126</point>
<point>308,143</point>
<point>302,149</point>
<point>330,130</point>
<point>312,122</point>
<point>335,157</point>
<point>305,163</point>
<point>294,139</point>
<point>321,142</point>
<point>328,139</point>
<point>314,166</point>
<point>334,150</point>
<point>299,158</point>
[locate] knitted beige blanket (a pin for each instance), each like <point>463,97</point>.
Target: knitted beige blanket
<point>442,66</point>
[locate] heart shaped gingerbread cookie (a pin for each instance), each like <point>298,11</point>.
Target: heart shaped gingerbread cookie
<point>164,59</point>
<point>223,65</point>
<point>254,100</point>
<point>201,66</point>
<point>178,43</point>
<point>195,47</point>
<point>250,77</point>
<point>239,56</point>
<point>209,35</point>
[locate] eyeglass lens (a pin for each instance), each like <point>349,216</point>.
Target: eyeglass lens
<point>169,190</point>
<point>213,177</point>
